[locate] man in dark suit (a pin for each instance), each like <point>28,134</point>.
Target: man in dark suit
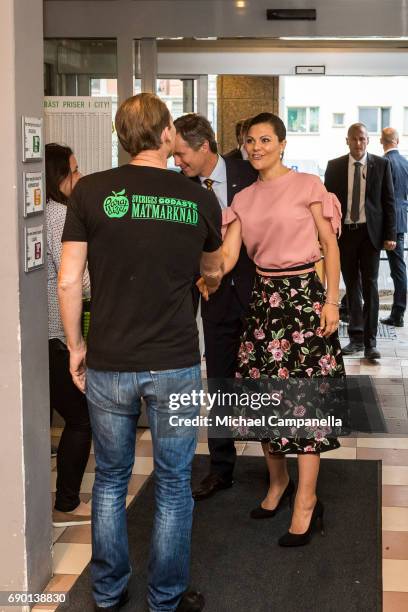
<point>241,129</point>
<point>399,170</point>
<point>363,184</point>
<point>196,154</point>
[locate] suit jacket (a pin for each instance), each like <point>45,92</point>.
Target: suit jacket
<point>233,154</point>
<point>399,171</point>
<point>240,174</point>
<point>379,197</point>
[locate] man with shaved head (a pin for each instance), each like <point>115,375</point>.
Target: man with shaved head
<point>399,169</point>
<point>363,184</point>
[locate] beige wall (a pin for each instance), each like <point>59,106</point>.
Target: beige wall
<point>25,526</point>
<point>12,571</point>
<point>240,97</point>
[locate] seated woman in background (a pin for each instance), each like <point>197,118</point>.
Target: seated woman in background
<point>73,451</point>
<point>291,324</point>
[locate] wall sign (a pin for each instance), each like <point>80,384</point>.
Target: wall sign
<point>84,124</point>
<point>34,247</point>
<point>33,189</point>
<point>32,139</point>
<point>310,69</point>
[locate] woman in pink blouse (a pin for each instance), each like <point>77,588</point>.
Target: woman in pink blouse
<point>291,327</point>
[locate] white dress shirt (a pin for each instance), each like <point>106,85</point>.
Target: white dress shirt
<point>219,186</point>
<point>363,183</point>
<point>219,176</point>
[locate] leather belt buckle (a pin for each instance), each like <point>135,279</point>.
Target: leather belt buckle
<point>354,226</point>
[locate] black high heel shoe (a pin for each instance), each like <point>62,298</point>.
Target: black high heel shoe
<point>261,513</point>
<point>300,539</point>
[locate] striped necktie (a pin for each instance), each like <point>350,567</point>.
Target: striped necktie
<point>209,184</point>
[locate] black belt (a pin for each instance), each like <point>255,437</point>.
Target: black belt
<point>354,226</point>
<point>293,269</point>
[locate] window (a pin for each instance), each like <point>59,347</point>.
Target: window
<point>338,119</point>
<point>180,95</point>
<point>212,101</point>
<point>304,120</point>
<point>297,120</point>
<point>374,117</point>
<point>109,88</point>
<point>405,120</point>
<point>385,117</point>
<point>314,119</point>
<point>83,67</point>
<point>369,116</point>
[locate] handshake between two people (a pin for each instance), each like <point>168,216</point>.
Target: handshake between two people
<point>206,290</point>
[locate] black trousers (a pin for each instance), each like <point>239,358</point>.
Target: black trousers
<point>344,305</point>
<point>221,351</point>
<point>344,309</point>
<point>75,443</point>
<point>358,258</point>
<point>399,276</point>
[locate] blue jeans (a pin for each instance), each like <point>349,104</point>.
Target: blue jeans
<point>114,408</point>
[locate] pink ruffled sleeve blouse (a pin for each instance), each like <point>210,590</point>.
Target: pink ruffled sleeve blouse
<point>278,228</point>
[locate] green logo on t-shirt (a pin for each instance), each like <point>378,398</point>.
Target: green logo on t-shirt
<point>116,205</point>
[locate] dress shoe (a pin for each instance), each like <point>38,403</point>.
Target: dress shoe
<point>300,539</point>
<point>123,599</point>
<point>69,519</point>
<point>395,321</point>
<point>372,353</point>
<point>192,601</point>
<point>261,513</point>
<point>210,485</point>
<point>352,347</point>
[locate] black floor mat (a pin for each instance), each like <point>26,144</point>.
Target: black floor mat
<point>385,332</point>
<point>236,562</point>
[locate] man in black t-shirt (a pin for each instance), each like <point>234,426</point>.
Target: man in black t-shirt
<point>144,231</point>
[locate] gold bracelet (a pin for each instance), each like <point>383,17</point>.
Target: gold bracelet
<point>333,303</point>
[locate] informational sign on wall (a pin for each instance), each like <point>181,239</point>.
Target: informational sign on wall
<point>33,192</point>
<point>34,247</point>
<point>32,139</point>
<point>85,125</point>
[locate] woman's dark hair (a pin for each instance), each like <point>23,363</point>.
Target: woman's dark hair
<point>56,169</point>
<point>273,120</point>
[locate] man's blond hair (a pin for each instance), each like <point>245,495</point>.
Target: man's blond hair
<point>140,121</point>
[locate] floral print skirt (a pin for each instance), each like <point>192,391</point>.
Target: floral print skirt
<point>282,339</point>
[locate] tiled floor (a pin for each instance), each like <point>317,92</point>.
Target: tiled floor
<point>72,547</point>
